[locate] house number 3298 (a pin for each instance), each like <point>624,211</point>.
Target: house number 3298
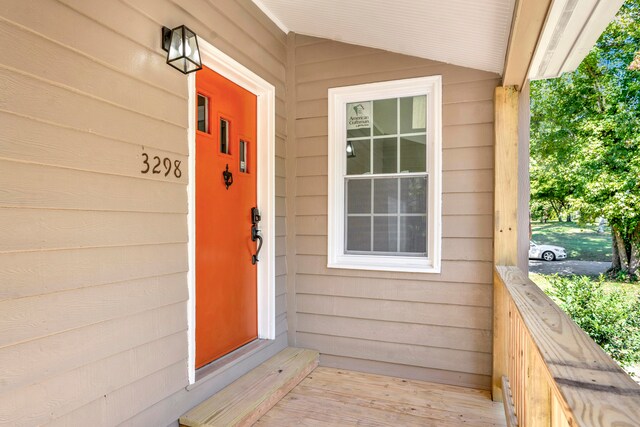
<point>156,165</point>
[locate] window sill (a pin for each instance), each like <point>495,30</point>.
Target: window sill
<point>384,263</point>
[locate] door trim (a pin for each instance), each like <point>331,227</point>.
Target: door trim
<point>265,94</point>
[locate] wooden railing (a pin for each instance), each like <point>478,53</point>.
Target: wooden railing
<point>553,373</point>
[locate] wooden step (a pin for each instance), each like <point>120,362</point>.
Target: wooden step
<point>244,401</point>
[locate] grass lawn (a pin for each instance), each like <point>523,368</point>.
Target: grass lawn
<point>581,242</point>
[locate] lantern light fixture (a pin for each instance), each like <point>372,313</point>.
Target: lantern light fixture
<point>350,151</point>
<point>181,45</point>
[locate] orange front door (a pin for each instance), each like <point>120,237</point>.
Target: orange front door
<point>226,288</point>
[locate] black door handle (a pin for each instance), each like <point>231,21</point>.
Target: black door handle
<point>255,235</point>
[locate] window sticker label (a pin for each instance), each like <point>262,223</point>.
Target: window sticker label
<point>358,115</point>
<point>419,119</point>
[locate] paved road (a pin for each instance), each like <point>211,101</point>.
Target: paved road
<point>568,267</point>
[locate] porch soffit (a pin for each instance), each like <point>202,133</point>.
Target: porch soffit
<point>468,33</point>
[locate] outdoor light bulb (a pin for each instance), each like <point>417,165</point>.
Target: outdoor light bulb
<point>187,50</point>
<point>193,49</point>
<point>350,150</point>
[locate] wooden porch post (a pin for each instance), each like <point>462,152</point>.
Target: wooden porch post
<point>505,234</point>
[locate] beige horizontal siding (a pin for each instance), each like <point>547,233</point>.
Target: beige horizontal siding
<point>125,402</point>
<point>326,50</point>
<point>407,371</point>
<point>54,397</point>
<point>466,294</point>
<point>43,315</point>
<point>460,316</point>
<point>38,186</point>
<point>478,181</point>
<point>53,145</point>
<point>94,253</point>
<point>428,326</point>
<point>25,274</point>
<point>35,360</point>
<point>37,229</point>
<point>462,203</point>
<point>395,332</point>
<point>450,75</point>
<point>468,135</point>
<point>98,41</point>
<point>41,98</point>
<point>35,55</point>
<point>404,354</point>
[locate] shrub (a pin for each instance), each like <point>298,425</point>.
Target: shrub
<point>611,317</point>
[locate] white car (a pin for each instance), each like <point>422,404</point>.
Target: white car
<point>546,252</point>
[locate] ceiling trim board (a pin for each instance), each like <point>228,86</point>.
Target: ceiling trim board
<point>271,16</point>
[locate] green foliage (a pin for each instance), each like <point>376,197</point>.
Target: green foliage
<point>585,131</point>
<point>611,317</point>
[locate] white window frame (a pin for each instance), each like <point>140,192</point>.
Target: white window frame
<point>338,99</point>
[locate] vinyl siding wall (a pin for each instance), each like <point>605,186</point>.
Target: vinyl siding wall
<point>429,326</point>
<point>93,254</point>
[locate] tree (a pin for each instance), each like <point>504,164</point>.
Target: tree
<point>585,137</point>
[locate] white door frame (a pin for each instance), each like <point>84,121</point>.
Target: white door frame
<point>265,93</point>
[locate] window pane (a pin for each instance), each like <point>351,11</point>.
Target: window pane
<point>413,195</point>
<point>224,136</point>
<point>413,153</point>
<point>385,117</point>
<point>385,155</point>
<point>358,196</point>
<point>360,161</point>
<point>359,233</point>
<point>413,114</point>
<point>413,234</point>
<point>243,156</point>
<point>385,195</point>
<point>358,119</point>
<point>203,113</point>
<point>385,233</point>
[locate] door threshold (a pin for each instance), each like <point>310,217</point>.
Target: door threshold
<point>227,361</point>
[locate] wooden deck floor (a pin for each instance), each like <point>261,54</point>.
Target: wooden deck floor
<point>332,397</point>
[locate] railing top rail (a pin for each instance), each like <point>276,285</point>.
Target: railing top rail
<point>593,389</point>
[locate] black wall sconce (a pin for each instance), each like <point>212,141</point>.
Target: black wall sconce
<point>181,45</point>
<point>350,151</point>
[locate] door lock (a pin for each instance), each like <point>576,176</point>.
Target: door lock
<point>255,233</point>
<point>255,216</point>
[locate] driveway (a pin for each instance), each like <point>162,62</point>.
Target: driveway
<point>568,267</point>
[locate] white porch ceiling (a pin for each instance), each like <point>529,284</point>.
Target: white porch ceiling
<point>470,33</point>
